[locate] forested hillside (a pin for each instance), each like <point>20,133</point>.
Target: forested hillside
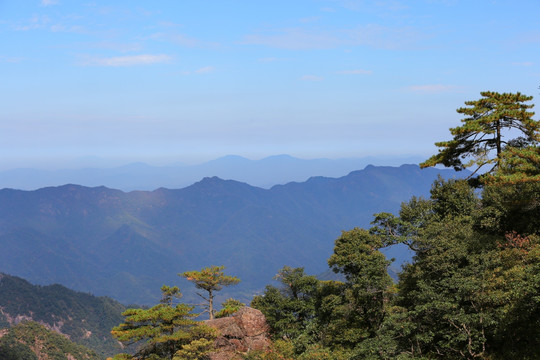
<point>127,245</point>
<point>83,318</point>
<point>32,341</point>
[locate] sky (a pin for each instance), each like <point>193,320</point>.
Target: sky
<point>181,80</point>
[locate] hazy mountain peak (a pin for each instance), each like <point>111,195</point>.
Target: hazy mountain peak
<point>265,173</point>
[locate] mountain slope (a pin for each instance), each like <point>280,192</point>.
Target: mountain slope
<point>81,317</point>
<point>127,245</point>
<point>32,341</point>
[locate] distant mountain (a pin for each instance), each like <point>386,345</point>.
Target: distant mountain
<point>263,173</point>
<point>83,318</point>
<point>127,245</point>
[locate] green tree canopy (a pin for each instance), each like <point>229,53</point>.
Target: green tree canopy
<point>166,328</point>
<point>481,139</point>
<point>210,279</point>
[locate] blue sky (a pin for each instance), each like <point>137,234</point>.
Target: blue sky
<point>163,81</point>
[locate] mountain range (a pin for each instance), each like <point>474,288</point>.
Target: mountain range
<point>265,173</point>
<point>128,244</point>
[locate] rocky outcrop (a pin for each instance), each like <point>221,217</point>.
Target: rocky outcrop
<point>241,333</point>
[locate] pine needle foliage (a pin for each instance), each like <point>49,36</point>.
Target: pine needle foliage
<point>481,141</point>
<point>210,279</point>
<point>165,328</point>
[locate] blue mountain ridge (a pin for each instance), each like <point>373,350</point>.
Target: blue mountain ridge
<point>126,245</point>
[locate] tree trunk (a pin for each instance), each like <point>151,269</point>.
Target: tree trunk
<point>498,140</point>
<point>211,304</point>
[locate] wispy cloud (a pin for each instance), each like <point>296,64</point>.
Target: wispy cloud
<point>360,5</point>
<point>10,59</point>
<point>294,39</point>
<point>355,72</point>
<point>205,70</point>
<point>118,61</point>
<point>384,37</point>
<point>35,22</point>
<point>49,2</point>
<point>432,88</point>
<point>272,59</point>
<point>69,29</point>
<point>178,39</point>
<point>311,78</point>
<point>117,46</point>
<point>169,34</point>
<point>372,35</point>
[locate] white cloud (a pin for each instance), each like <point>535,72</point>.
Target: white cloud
<point>355,72</point>
<point>36,22</point>
<point>372,35</point>
<point>311,78</point>
<point>432,89</point>
<point>49,2</point>
<point>205,70</point>
<point>294,39</point>
<point>145,59</point>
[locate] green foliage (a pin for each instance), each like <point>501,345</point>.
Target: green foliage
<point>30,340</point>
<point>512,207</point>
<point>210,279</point>
<point>471,292</point>
<point>229,307</point>
<point>290,309</point>
<point>368,288</point>
<point>331,317</point>
<point>195,350</point>
<point>11,349</point>
<point>517,165</point>
<point>86,319</point>
<point>482,133</point>
<point>469,271</point>
<point>165,328</point>
<point>280,350</point>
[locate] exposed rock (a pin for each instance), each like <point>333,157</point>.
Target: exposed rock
<point>239,334</point>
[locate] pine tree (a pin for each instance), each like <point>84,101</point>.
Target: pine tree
<point>167,328</point>
<point>483,133</point>
<point>210,279</point>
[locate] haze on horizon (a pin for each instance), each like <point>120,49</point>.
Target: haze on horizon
<point>192,81</point>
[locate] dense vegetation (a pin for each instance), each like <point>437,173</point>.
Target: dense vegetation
<point>32,341</point>
<point>86,319</point>
<point>472,289</point>
<point>168,330</point>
